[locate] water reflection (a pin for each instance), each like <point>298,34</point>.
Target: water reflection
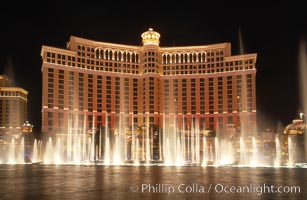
<point>111,182</point>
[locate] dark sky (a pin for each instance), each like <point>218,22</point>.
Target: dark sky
<point>273,30</point>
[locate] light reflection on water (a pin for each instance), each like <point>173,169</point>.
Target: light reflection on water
<point>114,182</point>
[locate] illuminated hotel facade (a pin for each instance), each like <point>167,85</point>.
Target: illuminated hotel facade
<point>95,83</point>
<point>13,107</point>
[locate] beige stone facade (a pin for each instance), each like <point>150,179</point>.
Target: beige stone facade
<point>13,106</point>
<point>92,83</point>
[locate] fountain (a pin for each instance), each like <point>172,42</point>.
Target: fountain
<point>107,148</point>
<point>303,84</point>
<point>255,153</point>
<point>146,145</point>
<point>277,161</point>
<point>291,152</point>
<point>11,153</point>
<point>205,152</point>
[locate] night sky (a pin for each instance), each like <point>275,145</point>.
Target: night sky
<point>272,30</point>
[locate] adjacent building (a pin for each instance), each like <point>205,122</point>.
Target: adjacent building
<point>13,107</point>
<point>294,142</point>
<point>92,83</point>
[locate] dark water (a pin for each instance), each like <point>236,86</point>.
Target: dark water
<point>128,182</point>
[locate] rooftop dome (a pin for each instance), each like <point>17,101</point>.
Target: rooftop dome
<point>151,37</point>
<point>296,128</point>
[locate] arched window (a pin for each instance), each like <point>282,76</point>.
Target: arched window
<point>173,58</point>
<point>115,56</point>
<point>137,58</point>
<point>107,54</point>
<point>194,57</point>
<point>168,58</point>
<point>133,58</point>
<point>125,57</point>
<point>119,56</point>
<point>164,59</point>
<point>204,57</point>
<point>185,58</point>
<point>128,57</point>
<point>97,53</point>
<point>111,55</point>
<point>101,53</point>
<point>177,58</point>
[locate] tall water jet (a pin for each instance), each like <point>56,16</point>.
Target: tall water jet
<point>217,151</point>
<point>242,152</point>
<point>75,141</point>
<point>21,152</point>
<point>93,144</point>
<point>147,140</point>
<point>125,144</point>
<point>291,152</point>
<point>211,154</point>
<point>167,152</point>
<point>179,160</point>
<point>49,154</point>
<point>255,152</point>
<point>277,161</point>
<point>107,147</point>
<point>11,154</point>
<point>183,140</point>
<point>205,152</point>
<point>143,144</point>
<point>84,155</point>
<point>197,143</point>
<point>183,143</point>
<point>120,142</point>
<point>35,157</point>
<point>133,143</point>
<point>192,146</point>
<point>37,151</point>
<point>244,92</point>
<point>152,143</point>
<point>76,151</point>
<point>89,149</point>
<point>137,152</point>
<point>69,141</point>
<point>227,156</point>
<point>9,71</point>
<point>188,146</point>
<point>303,85</point>
<point>160,146</point>
<point>174,141</point>
<point>58,158</point>
<point>117,152</point>
<point>100,143</point>
<point>241,47</point>
<point>107,151</point>
<point>170,139</point>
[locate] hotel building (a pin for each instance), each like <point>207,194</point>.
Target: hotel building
<point>91,83</point>
<point>13,107</point>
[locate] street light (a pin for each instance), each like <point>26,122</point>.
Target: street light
<point>301,115</point>
<point>27,129</point>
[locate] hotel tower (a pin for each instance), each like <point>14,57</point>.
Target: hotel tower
<point>13,108</point>
<point>92,84</point>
